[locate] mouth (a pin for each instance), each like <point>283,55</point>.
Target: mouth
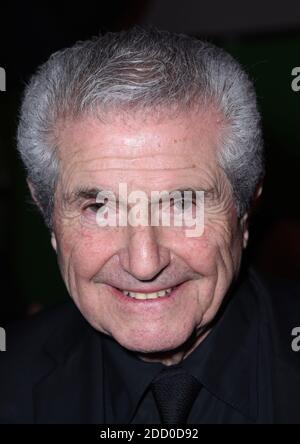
<point>146,296</point>
<point>153,295</point>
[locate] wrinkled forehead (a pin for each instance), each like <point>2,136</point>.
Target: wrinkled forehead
<point>128,138</point>
<point>141,150</point>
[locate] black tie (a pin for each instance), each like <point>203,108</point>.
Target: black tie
<point>174,391</point>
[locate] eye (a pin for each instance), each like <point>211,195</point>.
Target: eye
<point>95,207</point>
<point>184,203</point>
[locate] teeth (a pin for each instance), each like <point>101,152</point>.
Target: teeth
<point>156,294</point>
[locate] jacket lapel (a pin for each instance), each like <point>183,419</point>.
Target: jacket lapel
<point>71,391</point>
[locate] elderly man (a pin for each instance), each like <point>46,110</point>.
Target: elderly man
<point>165,325</point>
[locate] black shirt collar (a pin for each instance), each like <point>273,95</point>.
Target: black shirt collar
<point>127,378</point>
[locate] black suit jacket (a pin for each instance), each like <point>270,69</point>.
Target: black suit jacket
<point>51,370</point>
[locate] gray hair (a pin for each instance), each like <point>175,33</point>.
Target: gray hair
<point>140,68</point>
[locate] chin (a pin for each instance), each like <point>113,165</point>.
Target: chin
<point>153,341</point>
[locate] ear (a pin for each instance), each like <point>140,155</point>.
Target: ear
<point>256,198</point>
<point>258,192</point>
<point>245,229</point>
<point>34,197</point>
<point>33,194</point>
<point>244,221</point>
<point>53,241</point>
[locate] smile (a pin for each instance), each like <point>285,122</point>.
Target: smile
<point>154,295</point>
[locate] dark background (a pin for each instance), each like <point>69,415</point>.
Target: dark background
<point>263,36</point>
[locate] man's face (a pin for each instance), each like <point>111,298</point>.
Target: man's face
<point>98,263</point>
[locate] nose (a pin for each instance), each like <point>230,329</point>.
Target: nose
<point>143,257</point>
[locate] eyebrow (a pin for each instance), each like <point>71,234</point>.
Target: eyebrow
<point>81,193</point>
<point>86,193</point>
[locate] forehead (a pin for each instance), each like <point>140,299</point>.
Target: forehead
<point>132,135</point>
<point>141,147</point>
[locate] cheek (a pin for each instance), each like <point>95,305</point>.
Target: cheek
<point>219,245</point>
<point>84,253</point>
<point>201,254</point>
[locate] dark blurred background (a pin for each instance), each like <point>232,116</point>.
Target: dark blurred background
<point>264,36</point>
